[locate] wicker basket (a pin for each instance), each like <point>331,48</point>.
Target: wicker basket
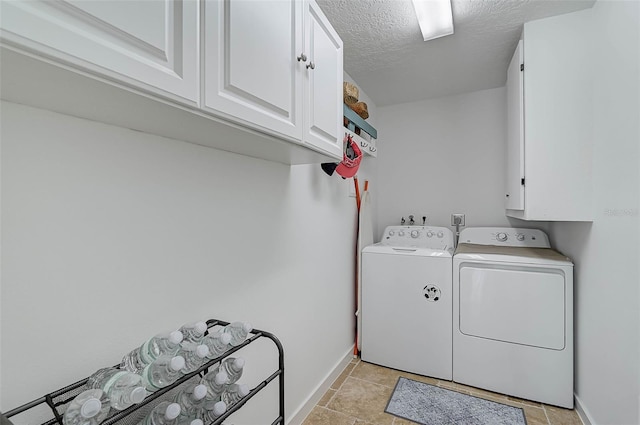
<point>360,108</point>
<point>350,93</point>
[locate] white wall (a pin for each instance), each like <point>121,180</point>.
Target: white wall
<point>444,156</point>
<point>111,235</point>
<point>607,252</point>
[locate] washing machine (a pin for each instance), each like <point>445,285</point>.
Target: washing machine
<point>406,300</point>
<point>513,315</point>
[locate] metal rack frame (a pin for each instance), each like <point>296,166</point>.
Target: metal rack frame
<point>65,395</point>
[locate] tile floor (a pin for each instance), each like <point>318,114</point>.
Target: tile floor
<point>360,395</point>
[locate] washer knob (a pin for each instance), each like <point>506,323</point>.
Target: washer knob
<point>415,234</point>
<point>391,233</point>
<point>520,237</point>
<point>401,233</point>
<point>501,237</point>
<point>440,234</point>
<point>429,234</point>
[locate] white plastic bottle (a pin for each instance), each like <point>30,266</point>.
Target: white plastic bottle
<point>215,412</point>
<point>218,343</point>
<point>193,332</point>
<point>194,356</point>
<point>233,393</point>
<point>238,332</point>
<point>190,422</point>
<point>165,413</point>
<point>90,407</point>
<point>162,344</point>
<point>123,388</point>
<point>216,383</point>
<point>232,366</point>
<point>164,371</point>
<point>191,399</point>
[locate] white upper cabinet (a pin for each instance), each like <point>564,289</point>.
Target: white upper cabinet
<point>323,82</point>
<point>251,70</point>
<point>552,164</point>
<point>275,66</point>
<point>147,44</point>
<point>260,78</point>
<point>514,197</point>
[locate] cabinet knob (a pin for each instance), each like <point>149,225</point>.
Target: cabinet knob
<point>302,57</point>
<point>507,195</point>
<point>311,65</point>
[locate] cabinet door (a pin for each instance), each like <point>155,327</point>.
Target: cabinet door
<point>323,83</point>
<point>251,70</point>
<point>515,132</point>
<point>148,44</point>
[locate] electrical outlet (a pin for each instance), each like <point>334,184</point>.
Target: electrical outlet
<point>457,219</point>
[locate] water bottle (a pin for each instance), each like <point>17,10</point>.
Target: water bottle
<point>194,356</point>
<point>218,343</point>
<point>123,388</point>
<point>233,368</point>
<point>191,422</point>
<point>238,332</point>
<point>215,412</point>
<point>165,413</point>
<point>216,382</point>
<point>90,407</point>
<point>164,371</point>
<point>193,332</point>
<point>161,344</point>
<point>233,393</point>
<point>191,400</point>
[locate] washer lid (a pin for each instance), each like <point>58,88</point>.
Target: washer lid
<point>511,254</point>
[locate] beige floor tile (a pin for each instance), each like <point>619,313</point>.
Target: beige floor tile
<point>526,402</point>
<point>489,394</point>
<point>385,376</point>
<point>462,388</point>
<point>326,397</point>
<point>535,415</point>
<point>560,416</point>
<point>346,372</point>
<point>363,400</point>
<point>322,416</point>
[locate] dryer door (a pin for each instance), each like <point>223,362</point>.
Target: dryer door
<point>523,305</point>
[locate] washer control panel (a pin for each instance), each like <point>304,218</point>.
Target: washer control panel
<point>431,237</point>
<point>505,236</point>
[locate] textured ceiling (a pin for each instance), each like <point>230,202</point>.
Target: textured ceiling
<point>385,54</point>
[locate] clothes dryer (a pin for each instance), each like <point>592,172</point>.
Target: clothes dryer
<point>513,315</point>
<point>407,300</point>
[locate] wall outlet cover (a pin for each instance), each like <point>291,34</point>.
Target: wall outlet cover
<point>457,219</point>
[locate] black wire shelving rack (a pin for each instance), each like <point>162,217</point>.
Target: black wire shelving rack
<point>58,400</point>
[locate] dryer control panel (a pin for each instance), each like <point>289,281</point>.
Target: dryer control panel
<point>505,236</point>
<point>431,237</point>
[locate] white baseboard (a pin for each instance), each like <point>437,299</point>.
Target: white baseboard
<point>316,395</point>
<point>583,413</point>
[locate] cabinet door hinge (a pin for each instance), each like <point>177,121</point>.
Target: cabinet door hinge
<point>521,67</point>
<point>522,181</point>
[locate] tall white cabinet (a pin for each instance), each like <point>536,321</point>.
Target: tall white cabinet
<point>550,111</point>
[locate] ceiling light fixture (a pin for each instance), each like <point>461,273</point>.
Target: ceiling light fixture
<point>435,18</point>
